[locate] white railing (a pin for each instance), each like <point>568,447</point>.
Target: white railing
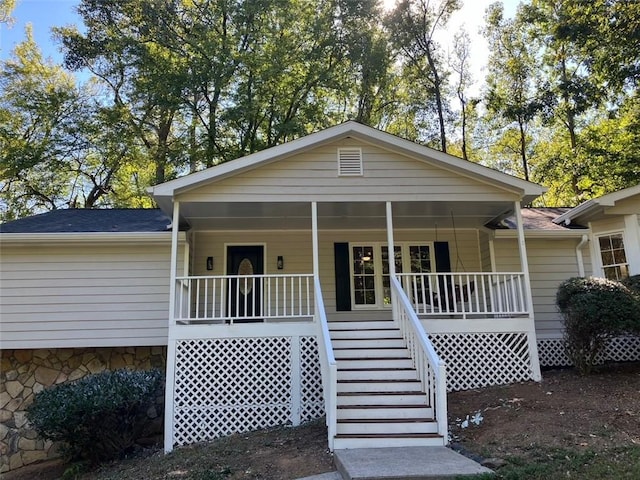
<point>231,298</point>
<point>431,369</point>
<point>466,294</point>
<point>328,365</point>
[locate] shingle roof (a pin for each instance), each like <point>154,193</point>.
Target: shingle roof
<point>540,218</point>
<point>91,220</point>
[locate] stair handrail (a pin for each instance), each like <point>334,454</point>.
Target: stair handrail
<point>430,367</point>
<point>328,364</point>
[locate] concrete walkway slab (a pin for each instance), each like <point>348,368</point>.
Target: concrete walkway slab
<point>324,476</point>
<point>413,463</point>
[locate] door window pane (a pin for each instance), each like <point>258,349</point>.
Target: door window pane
<point>364,275</point>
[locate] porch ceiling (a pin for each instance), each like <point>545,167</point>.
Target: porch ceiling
<point>339,215</point>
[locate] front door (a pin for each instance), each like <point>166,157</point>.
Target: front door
<point>244,294</point>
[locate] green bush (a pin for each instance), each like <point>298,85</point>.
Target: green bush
<point>98,417</point>
<point>594,310</point>
<point>633,284</point>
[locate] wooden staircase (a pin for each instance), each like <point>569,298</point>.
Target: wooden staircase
<point>380,401</point>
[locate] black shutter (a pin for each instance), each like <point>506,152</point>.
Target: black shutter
<point>441,253</point>
<point>343,283</point>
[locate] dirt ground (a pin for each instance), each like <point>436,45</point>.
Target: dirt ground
<point>565,411</point>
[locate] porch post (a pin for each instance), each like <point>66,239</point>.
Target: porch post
<point>391,250</point>
<point>175,227</point>
<point>314,240</point>
<point>524,264</point>
<point>632,243</point>
<point>169,387</point>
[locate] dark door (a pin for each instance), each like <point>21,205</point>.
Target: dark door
<point>244,294</point>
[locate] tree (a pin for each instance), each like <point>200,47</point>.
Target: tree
<point>460,65</point>
<point>412,25</point>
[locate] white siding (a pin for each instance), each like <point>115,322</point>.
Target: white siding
<point>84,295</point>
<point>551,261</point>
<point>314,176</point>
<point>295,247</point>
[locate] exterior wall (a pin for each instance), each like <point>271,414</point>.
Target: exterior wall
<point>23,373</point>
<point>551,261</point>
<point>295,247</point>
<point>84,295</point>
<point>314,176</point>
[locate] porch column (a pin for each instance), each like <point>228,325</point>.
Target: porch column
<point>632,244</point>
<point>171,341</point>
<point>314,239</point>
<point>524,264</point>
<point>175,227</point>
<point>391,250</point>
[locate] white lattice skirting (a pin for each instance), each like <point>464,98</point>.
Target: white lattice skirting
<point>477,360</point>
<point>619,349</point>
<point>232,385</point>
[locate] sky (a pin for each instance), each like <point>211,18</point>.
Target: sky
<point>44,14</point>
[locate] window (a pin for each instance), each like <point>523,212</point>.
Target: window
<point>371,284</point>
<point>614,258</point>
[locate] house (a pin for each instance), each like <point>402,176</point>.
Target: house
<point>270,282</point>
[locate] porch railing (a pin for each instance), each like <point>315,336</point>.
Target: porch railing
<point>243,298</point>
<point>466,294</point>
<point>431,369</point>
<point>328,365</point>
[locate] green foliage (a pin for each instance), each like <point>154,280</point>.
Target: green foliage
<point>98,417</point>
<point>632,283</point>
<point>594,310</point>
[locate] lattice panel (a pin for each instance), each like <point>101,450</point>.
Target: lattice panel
<point>479,359</point>
<point>619,349</point>
<point>223,386</point>
<point>312,401</point>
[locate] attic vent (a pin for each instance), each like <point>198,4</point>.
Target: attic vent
<point>349,162</point>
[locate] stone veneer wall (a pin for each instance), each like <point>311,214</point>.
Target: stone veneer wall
<point>25,372</point>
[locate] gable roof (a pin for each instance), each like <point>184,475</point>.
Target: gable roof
<point>164,192</point>
<point>592,207</point>
<point>91,220</point>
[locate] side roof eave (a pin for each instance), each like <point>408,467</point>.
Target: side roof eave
<point>594,205</point>
<point>527,190</point>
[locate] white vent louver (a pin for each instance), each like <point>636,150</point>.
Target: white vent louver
<point>349,162</point>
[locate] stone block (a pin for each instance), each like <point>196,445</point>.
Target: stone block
<point>117,362</point>
<point>12,375</point>
<point>46,376</point>
<point>76,374</point>
<point>20,418</point>
<point>128,358</point>
<point>26,444</point>
<point>95,366</point>
<point>157,350</point>
<point>4,464</point>
<point>37,387</point>
<point>4,399</point>
<point>4,431</point>
<point>64,354</point>
<point>29,382</point>
<point>30,434</point>
<point>5,415</point>
<point>4,448</point>
<point>74,362</point>
<point>15,461</point>
<point>14,388</point>
<point>41,353</point>
<point>14,404</point>
<point>5,364</point>
<point>33,456</point>
<point>23,356</point>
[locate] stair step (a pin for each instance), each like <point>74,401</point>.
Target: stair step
<point>386,398</point>
<point>377,374</point>
<point>386,427</point>
<point>349,412</point>
<point>362,325</point>
<point>369,333</point>
<point>356,343</point>
<point>361,353</point>
<point>379,441</point>
<point>374,363</point>
<point>379,386</point>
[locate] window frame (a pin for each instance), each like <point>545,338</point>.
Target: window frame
<point>378,269</point>
<point>615,266</point>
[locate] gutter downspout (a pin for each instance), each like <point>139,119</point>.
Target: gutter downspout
<point>583,241</point>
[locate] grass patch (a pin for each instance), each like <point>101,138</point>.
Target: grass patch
<point>545,464</point>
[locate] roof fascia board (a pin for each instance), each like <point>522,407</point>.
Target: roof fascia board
<point>69,238</point>
<point>549,234</point>
<point>379,138</point>
<point>595,205</point>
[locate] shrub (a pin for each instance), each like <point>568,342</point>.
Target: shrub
<point>633,284</point>
<point>594,310</point>
<point>98,417</point>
